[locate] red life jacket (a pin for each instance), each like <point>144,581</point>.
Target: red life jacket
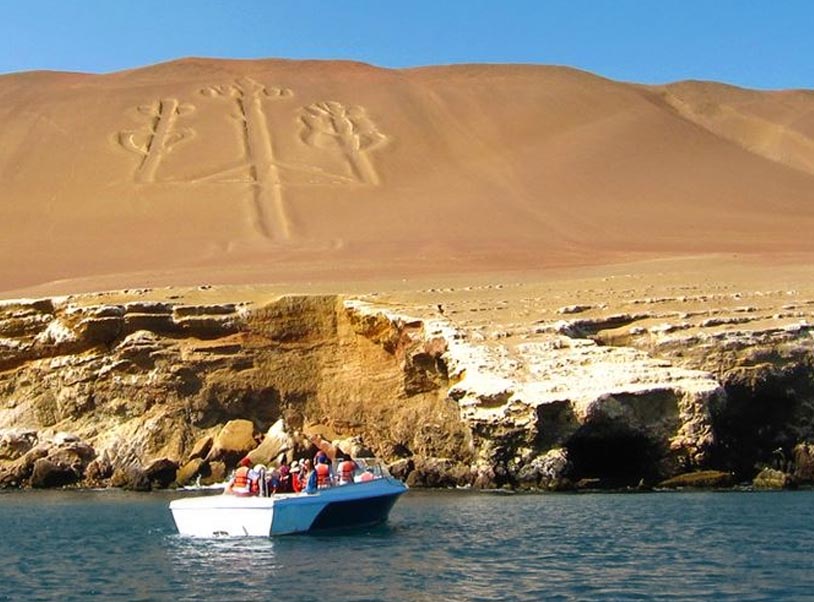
<point>346,470</point>
<point>323,475</point>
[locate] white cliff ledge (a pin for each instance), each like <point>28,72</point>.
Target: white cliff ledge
<point>491,387</point>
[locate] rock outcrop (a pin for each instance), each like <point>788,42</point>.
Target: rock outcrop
<point>156,393</point>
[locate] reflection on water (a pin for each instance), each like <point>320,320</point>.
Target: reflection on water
<point>437,546</point>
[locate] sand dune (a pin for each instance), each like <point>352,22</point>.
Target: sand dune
<point>282,171</point>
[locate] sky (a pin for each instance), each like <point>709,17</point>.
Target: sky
<point>764,44</point>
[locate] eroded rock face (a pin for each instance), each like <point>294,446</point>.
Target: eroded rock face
<point>157,394</point>
<point>148,382</point>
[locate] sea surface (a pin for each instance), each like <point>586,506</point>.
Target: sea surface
<point>439,546</point>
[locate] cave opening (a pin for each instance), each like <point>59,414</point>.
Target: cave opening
<point>614,457</point>
<point>755,427</point>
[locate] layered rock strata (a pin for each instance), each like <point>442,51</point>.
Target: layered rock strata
<point>144,393</point>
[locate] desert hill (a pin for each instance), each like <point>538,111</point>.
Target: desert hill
<point>498,276</point>
<point>222,171</point>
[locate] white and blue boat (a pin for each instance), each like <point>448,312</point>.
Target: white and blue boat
<point>357,504</point>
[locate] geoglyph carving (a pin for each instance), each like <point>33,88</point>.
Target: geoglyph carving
<point>330,128</point>
<point>331,124</point>
<point>268,189</point>
<point>153,141</point>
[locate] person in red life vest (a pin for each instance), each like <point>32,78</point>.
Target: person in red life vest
<point>324,472</point>
<point>319,456</point>
<point>241,483</point>
<point>294,469</point>
<point>347,468</point>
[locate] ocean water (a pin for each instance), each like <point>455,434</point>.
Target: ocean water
<point>112,545</point>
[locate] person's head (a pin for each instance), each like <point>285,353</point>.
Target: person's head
<point>324,460</point>
<point>306,463</point>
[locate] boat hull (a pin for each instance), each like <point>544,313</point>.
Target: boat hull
<point>343,506</point>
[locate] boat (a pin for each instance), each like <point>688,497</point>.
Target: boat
<point>365,501</point>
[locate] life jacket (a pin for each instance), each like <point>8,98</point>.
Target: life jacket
<point>346,470</point>
<point>323,475</point>
<point>255,478</point>
<point>241,482</point>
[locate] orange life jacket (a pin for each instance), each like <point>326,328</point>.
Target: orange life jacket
<point>323,475</point>
<point>241,478</point>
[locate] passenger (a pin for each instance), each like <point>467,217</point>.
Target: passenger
<point>257,480</point>
<point>305,473</point>
<point>324,473</point>
<point>319,456</point>
<point>240,484</point>
<point>367,475</point>
<point>284,485</point>
<point>272,481</point>
<point>347,468</point>
<point>310,479</point>
<point>295,477</point>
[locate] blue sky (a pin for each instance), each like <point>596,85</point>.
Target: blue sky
<point>761,44</point>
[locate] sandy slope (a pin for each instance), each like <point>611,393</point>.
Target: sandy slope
<point>301,173</point>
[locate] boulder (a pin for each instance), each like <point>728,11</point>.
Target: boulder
<point>15,443</point>
<point>161,473</point>
<point>217,474</point>
<point>202,447</point>
<point>546,471</point>
<point>769,478</point>
<point>17,473</point>
<point>131,478</point>
<point>485,478</point>
<point>235,440</point>
<point>74,454</point>
<point>702,479</point>
<point>803,458</point>
<point>438,473</point>
<point>47,473</point>
<point>98,471</point>
<point>189,472</point>
<point>353,446</point>
<point>276,443</point>
<point>401,469</point>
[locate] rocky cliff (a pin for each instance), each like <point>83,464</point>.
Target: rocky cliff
<point>145,389</point>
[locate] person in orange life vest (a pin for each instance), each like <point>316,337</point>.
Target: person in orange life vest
<point>324,472</point>
<point>240,483</point>
<point>257,480</point>
<point>347,468</point>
